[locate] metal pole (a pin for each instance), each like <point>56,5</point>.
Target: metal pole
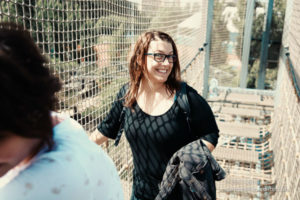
<point>264,48</point>
<point>207,48</point>
<point>247,43</point>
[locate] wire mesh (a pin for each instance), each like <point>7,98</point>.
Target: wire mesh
<point>244,149</point>
<point>287,148</point>
<point>227,38</point>
<point>286,126</point>
<point>87,43</point>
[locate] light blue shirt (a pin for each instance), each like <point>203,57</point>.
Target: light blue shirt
<point>75,169</point>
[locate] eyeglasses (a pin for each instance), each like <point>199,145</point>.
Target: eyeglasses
<point>158,57</point>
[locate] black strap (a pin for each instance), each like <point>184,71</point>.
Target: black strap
<point>183,102</point>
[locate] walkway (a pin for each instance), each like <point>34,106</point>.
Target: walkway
<point>244,144</point>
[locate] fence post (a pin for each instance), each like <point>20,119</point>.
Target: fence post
<point>210,14</point>
<point>247,43</point>
<point>265,47</point>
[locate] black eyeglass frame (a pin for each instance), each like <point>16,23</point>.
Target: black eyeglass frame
<point>173,57</point>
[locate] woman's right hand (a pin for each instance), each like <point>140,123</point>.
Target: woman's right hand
<point>97,137</point>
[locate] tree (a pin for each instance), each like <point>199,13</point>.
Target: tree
<point>274,44</point>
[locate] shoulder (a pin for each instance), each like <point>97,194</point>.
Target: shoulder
<point>47,178</point>
<point>194,95</point>
<point>198,104</point>
<point>75,168</point>
<point>123,90</point>
<point>68,131</point>
<point>66,175</point>
<point>125,86</point>
<point>189,89</point>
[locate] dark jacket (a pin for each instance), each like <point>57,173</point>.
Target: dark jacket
<point>191,174</point>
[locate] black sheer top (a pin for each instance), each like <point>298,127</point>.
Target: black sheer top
<point>154,139</point>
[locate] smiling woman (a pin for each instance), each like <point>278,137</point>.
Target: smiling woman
<point>158,67</point>
<point>154,124</point>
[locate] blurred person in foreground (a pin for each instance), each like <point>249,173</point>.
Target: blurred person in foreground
<point>155,124</point>
<point>43,154</point>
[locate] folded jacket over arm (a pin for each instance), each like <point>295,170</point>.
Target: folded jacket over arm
<point>191,174</point>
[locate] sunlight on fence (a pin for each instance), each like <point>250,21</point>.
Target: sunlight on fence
<point>88,42</point>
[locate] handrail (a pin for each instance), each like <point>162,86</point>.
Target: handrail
<point>292,73</point>
<point>270,93</point>
<point>194,58</point>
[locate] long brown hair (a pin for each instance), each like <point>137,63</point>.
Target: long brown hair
<point>137,65</point>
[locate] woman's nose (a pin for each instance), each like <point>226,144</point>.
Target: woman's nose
<point>166,62</point>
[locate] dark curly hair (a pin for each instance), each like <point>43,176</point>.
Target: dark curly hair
<point>27,87</point>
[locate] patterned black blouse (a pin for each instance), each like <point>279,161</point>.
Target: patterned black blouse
<point>154,139</point>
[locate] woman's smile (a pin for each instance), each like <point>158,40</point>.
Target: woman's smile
<point>159,71</point>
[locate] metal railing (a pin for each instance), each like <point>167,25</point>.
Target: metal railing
<point>292,74</point>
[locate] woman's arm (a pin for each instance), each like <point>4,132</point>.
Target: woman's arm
<point>109,127</point>
<point>203,120</point>
<point>211,140</point>
<point>98,137</point>
<point>209,145</point>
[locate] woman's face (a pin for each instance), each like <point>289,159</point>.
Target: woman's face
<point>158,72</point>
<point>13,150</point>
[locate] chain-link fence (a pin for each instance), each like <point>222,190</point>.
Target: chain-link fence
<point>228,42</point>
<point>87,43</point>
<point>286,125</point>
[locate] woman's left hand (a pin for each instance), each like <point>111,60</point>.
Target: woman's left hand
<point>209,145</point>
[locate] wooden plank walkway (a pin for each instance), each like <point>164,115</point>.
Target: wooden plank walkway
<point>243,150</point>
<point>239,184</point>
<point>223,153</point>
<point>239,129</point>
<point>238,111</point>
<point>236,98</point>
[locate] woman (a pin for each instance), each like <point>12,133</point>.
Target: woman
<point>155,126</point>
<point>43,154</point>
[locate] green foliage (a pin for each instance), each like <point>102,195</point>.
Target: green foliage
<point>114,31</point>
<point>271,75</point>
<point>252,75</point>
<point>69,26</point>
<point>274,47</point>
<point>65,70</point>
<point>49,22</point>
